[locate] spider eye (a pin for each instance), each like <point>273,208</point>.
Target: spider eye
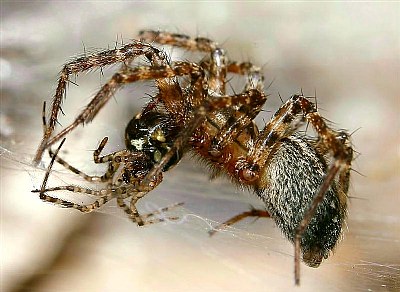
<point>137,143</point>
<point>248,175</point>
<point>343,136</point>
<point>157,156</point>
<point>158,135</point>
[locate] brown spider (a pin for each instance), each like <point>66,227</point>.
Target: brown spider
<point>303,181</point>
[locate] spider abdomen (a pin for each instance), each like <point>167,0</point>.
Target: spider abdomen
<point>289,183</point>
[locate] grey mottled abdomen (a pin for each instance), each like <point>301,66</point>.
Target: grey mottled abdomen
<point>293,177</point>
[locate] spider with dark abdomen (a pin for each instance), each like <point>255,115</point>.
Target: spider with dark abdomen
<point>303,181</point>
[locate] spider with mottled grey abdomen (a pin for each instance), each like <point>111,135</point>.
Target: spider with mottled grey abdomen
<point>303,181</point>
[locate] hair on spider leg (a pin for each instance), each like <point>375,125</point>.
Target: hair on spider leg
<point>280,97</point>
<point>355,131</point>
<point>355,158</point>
<point>84,49</point>
<point>302,180</point>
<point>315,98</point>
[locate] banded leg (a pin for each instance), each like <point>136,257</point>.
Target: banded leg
<point>255,79</point>
<point>280,126</point>
<point>218,61</point>
<point>128,75</point>
<point>178,40</point>
<point>200,44</point>
<point>91,178</point>
<point>104,197</point>
<point>113,190</point>
<point>340,167</point>
<point>136,217</point>
<point>239,120</point>
<point>252,213</point>
<point>125,54</point>
<point>243,117</point>
<point>67,204</point>
<point>203,45</point>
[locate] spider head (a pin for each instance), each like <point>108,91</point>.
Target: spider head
<point>152,133</point>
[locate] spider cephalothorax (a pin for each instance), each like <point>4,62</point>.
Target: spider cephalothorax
<point>152,133</point>
<point>303,181</point>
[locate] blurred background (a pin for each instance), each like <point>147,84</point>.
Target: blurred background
<point>348,53</point>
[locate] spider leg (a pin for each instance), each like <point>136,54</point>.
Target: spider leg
<point>162,210</point>
<point>241,118</point>
<point>105,158</point>
<point>101,59</point>
<point>218,61</point>
<point>113,166</point>
<point>142,220</point>
<point>114,161</point>
<point>127,210</point>
<point>255,78</point>
<point>341,166</point>
<point>218,66</point>
<point>280,126</point>
<point>127,75</point>
<point>252,213</point>
<point>175,98</point>
<point>132,211</point>
<point>223,144</point>
<point>82,190</point>
<point>104,196</point>
<point>178,40</point>
<point>67,204</point>
<point>113,190</point>
<point>91,178</point>
<point>238,121</point>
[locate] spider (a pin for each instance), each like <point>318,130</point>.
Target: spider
<point>302,180</point>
